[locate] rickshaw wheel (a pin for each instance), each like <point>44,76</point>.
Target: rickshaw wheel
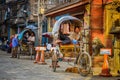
<point>54,61</point>
<point>84,64</point>
<point>54,64</point>
<point>31,52</point>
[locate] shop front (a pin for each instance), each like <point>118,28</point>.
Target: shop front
<point>75,9</point>
<point>112,32</point>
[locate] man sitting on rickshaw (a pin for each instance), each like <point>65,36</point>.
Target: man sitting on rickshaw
<point>73,37</point>
<point>31,39</point>
<point>76,35</point>
<point>25,38</point>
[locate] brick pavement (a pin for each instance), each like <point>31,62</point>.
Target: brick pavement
<point>25,69</point>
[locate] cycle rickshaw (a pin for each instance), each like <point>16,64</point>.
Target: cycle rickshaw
<point>25,48</point>
<point>83,58</point>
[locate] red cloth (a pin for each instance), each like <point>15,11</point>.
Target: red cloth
<point>10,45</point>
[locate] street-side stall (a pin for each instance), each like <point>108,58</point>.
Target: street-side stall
<point>26,47</point>
<point>75,49</point>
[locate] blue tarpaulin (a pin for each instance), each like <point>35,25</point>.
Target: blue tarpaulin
<point>20,35</point>
<point>31,27</point>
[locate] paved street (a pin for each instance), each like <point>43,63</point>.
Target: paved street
<point>25,69</point>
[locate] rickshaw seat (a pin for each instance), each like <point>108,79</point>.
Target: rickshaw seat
<point>66,46</point>
<point>24,45</point>
<point>68,49</point>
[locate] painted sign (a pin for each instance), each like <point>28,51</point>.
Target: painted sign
<point>105,51</point>
<point>40,48</point>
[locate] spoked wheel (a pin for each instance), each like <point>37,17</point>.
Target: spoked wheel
<point>84,64</point>
<point>54,61</point>
<point>54,64</point>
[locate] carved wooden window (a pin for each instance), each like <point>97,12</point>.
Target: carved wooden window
<point>50,4</point>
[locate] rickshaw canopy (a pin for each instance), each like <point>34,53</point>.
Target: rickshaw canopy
<point>57,24</point>
<point>31,27</point>
<point>20,35</point>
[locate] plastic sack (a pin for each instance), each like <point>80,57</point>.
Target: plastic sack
<point>74,41</point>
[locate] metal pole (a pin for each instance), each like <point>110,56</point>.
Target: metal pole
<point>41,1</point>
<point>38,22</point>
<point>40,19</point>
<point>90,31</point>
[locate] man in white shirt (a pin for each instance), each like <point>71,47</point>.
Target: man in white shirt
<point>31,42</point>
<point>31,39</point>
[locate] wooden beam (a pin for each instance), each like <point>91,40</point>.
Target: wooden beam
<point>66,8</point>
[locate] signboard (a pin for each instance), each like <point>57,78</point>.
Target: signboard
<point>40,48</point>
<point>105,51</point>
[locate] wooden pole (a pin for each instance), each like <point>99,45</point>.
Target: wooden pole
<point>38,22</point>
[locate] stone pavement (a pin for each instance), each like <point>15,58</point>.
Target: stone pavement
<point>25,69</point>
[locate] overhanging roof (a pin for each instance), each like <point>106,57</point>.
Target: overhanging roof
<point>65,7</point>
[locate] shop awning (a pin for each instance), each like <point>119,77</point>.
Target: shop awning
<point>64,8</point>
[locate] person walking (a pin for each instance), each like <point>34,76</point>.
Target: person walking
<point>14,46</point>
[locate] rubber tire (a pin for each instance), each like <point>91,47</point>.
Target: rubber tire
<point>54,64</point>
<point>54,61</point>
<point>90,63</point>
